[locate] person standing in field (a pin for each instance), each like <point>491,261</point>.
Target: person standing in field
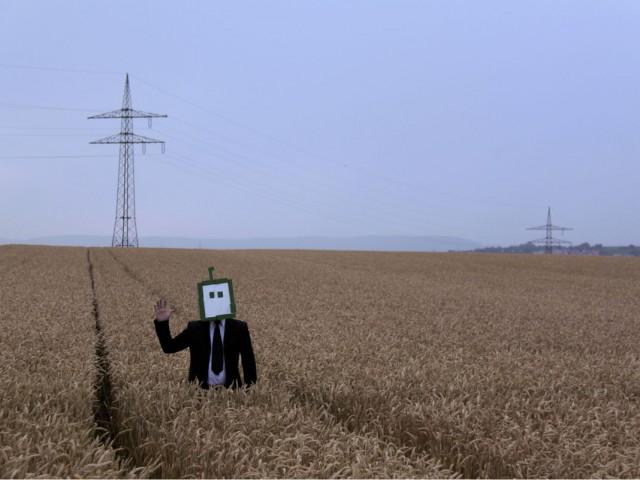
<point>216,342</point>
<point>215,349</point>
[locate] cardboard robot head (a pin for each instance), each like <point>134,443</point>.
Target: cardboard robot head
<point>216,298</point>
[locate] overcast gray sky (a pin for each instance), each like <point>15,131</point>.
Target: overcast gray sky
<point>333,118</point>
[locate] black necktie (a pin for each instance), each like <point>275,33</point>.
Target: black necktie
<point>216,361</point>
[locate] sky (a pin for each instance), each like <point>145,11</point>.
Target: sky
<point>294,118</point>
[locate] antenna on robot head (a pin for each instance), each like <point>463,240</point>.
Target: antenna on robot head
<point>548,240</point>
<point>125,233</point>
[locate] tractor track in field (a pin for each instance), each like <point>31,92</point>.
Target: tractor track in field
<point>176,308</point>
<point>105,410</point>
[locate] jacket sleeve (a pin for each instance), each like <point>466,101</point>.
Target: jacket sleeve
<point>248,360</point>
<point>168,343</point>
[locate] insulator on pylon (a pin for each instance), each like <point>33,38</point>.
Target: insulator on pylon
<point>144,148</point>
<point>149,122</point>
<point>162,147</point>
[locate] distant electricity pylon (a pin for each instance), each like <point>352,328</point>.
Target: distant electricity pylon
<point>125,233</point>
<point>548,240</point>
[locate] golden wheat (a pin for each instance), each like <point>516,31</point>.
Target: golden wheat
<point>47,368</point>
<point>369,364</point>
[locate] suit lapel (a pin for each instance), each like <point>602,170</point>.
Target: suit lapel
<point>225,342</point>
<point>207,334</point>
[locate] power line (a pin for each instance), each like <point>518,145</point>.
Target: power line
<point>50,128</point>
<point>344,215</point>
<point>45,135</point>
<point>394,216</point>
<point>53,69</point>
<point>54,156</point>
<point>321,157</point>
<point>402,212</point>
<point>251,190</point>
<point>45,107</point>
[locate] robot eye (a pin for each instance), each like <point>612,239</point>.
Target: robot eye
<point>212,294</point>
<point>219,294</point>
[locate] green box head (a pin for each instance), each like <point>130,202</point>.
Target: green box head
<point>215,298</point>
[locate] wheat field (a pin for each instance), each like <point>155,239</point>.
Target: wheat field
<point>370,364</point>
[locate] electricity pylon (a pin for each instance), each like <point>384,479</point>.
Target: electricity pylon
<point>548,240</point>
<point>125,233</point>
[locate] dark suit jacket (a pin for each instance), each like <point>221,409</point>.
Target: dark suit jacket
<point>237,343</point>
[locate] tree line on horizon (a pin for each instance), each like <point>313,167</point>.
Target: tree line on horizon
<point>582,249</point>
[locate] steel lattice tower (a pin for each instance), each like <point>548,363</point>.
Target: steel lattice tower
<point>548,240</point>
<point>125,233</point>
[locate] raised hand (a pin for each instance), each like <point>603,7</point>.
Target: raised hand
<point>161,311</point>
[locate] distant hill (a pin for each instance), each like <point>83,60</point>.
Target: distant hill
<point>370,243</point>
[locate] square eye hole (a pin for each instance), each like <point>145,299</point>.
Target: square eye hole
<point>212,294</point>
<point>219,294</point>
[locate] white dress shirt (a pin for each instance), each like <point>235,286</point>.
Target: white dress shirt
<point>221,377</point>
